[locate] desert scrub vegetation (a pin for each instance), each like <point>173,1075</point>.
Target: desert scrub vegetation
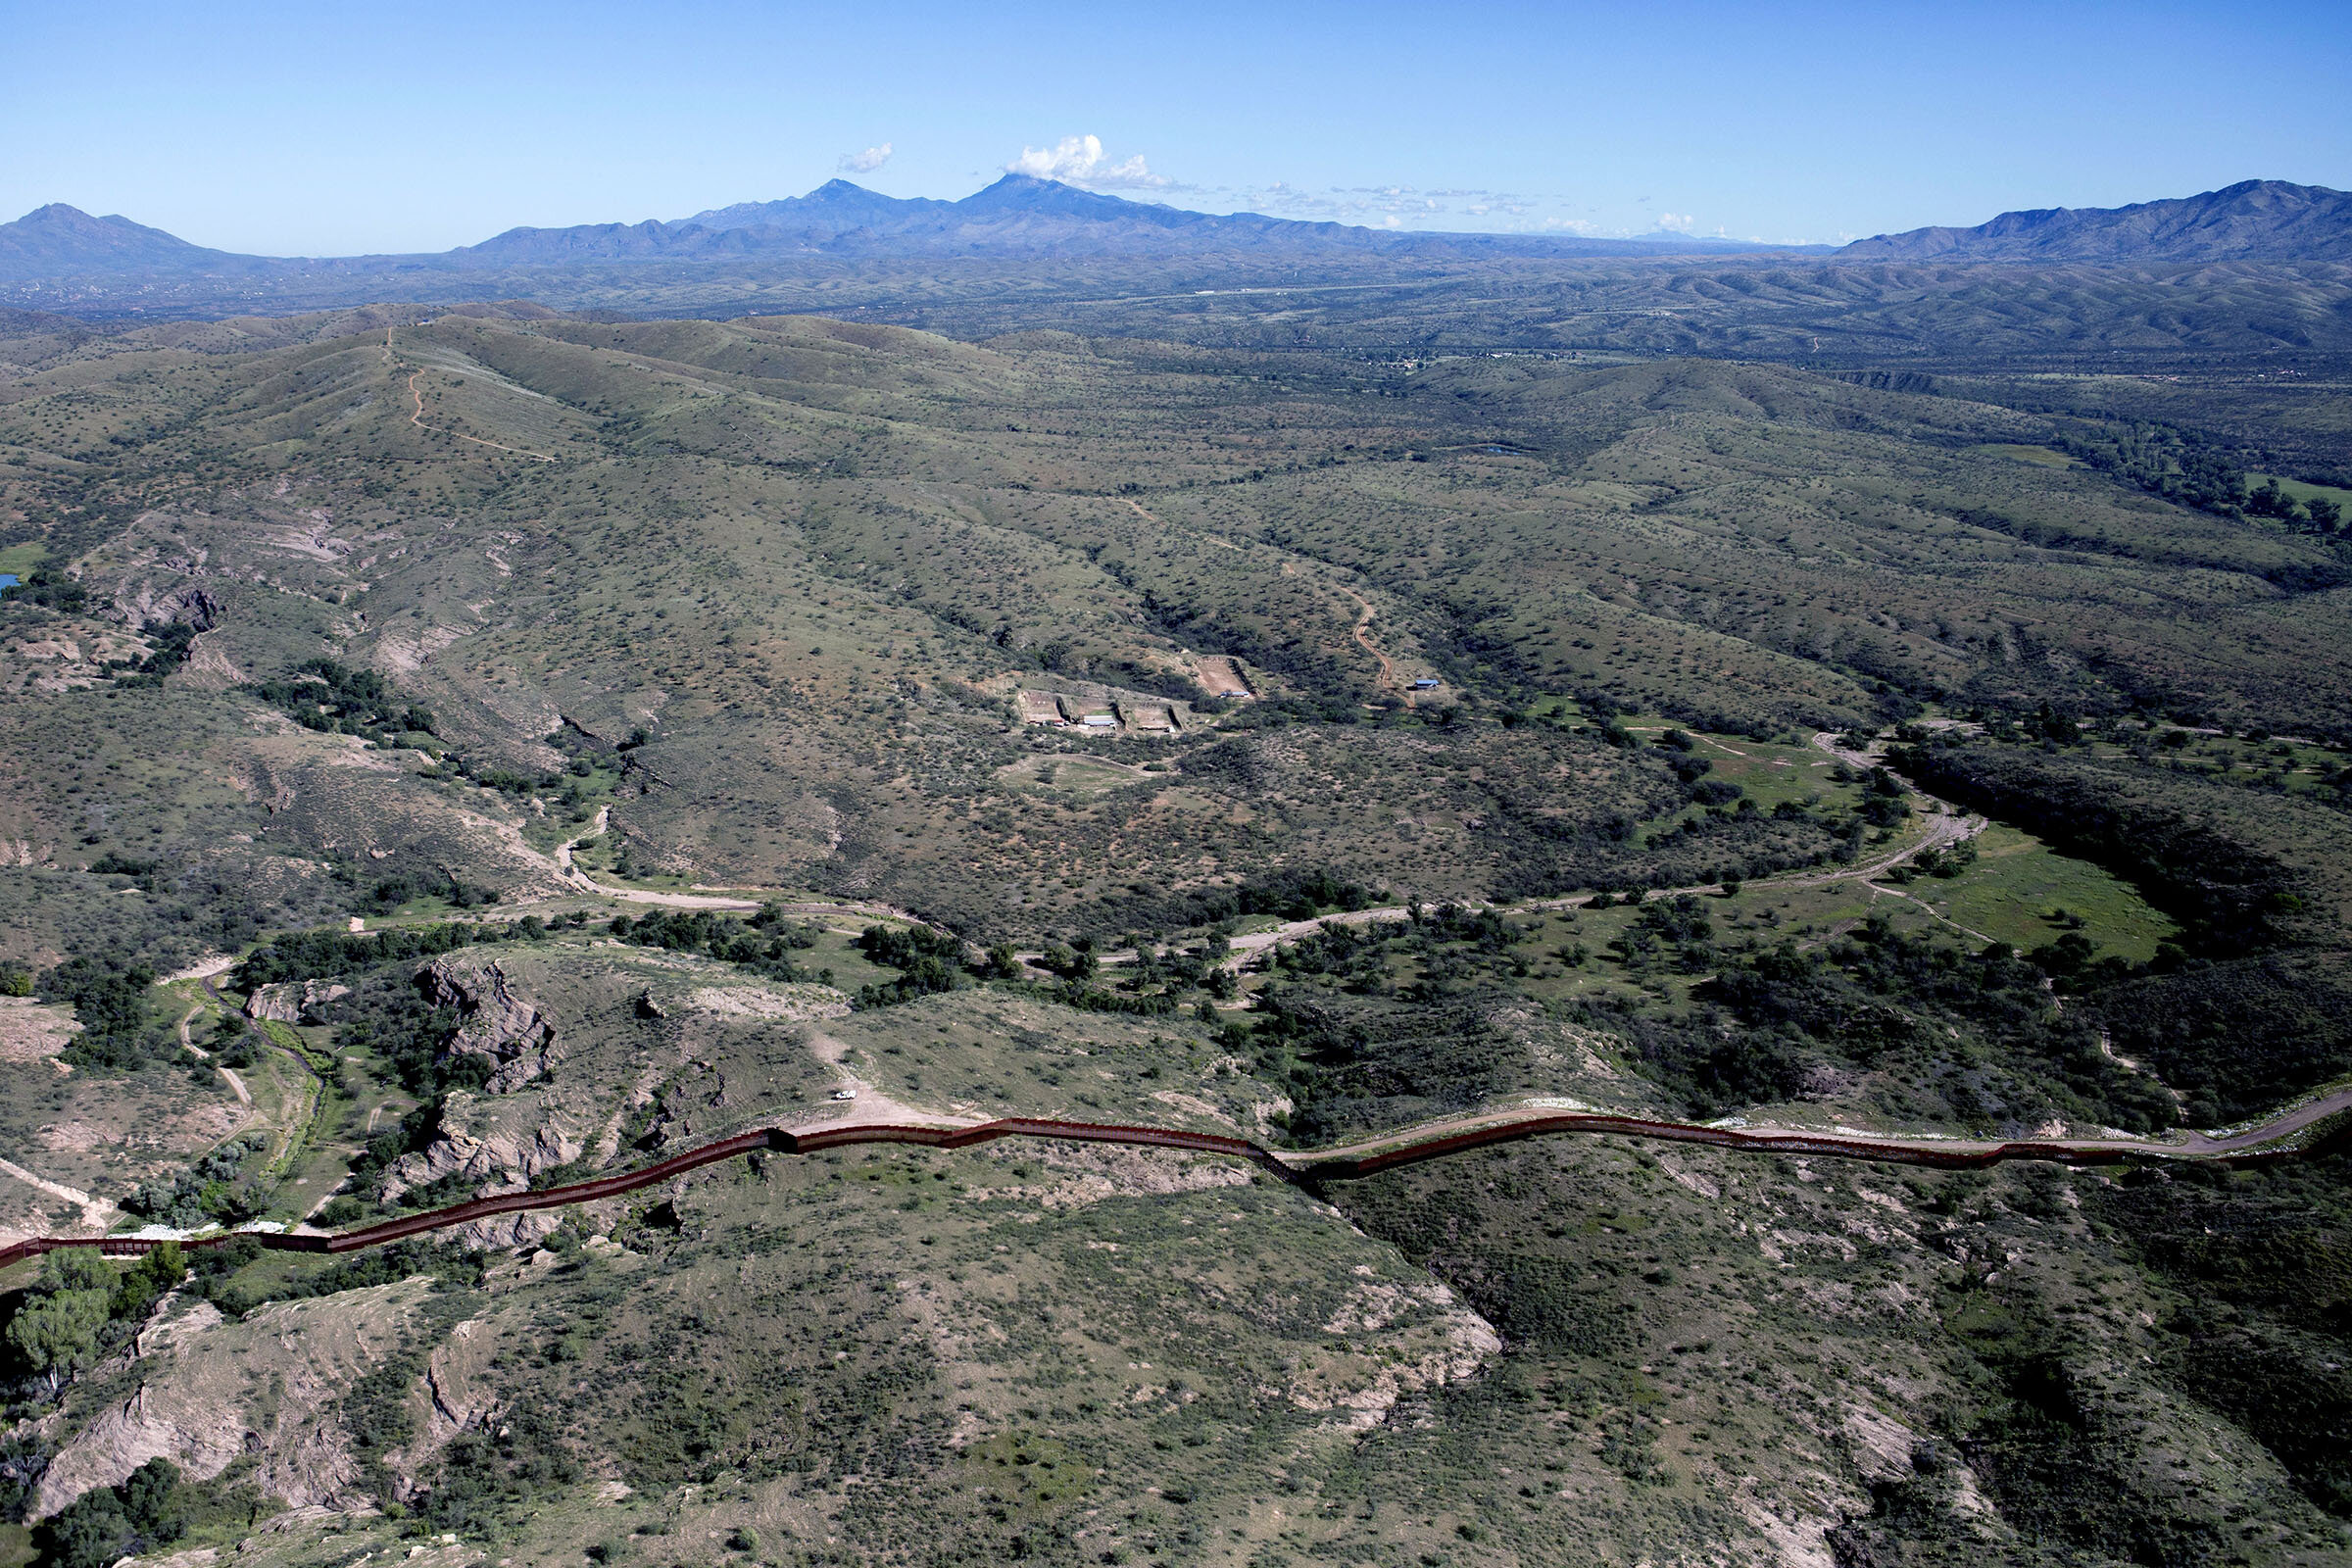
<point>764,614</point>
<point>1373,1025</point>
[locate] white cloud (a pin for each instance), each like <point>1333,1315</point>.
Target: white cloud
<point>866,161</point>
<point>1391,206</point>
<point>1388,207</point>
<point>1080,161</point>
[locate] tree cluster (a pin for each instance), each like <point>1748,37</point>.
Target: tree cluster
<point>336,700</point>
<point>764,944</point>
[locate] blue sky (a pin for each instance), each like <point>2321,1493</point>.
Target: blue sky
<point>326,129</point>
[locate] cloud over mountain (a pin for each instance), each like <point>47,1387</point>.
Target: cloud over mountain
<point>1080,161</point>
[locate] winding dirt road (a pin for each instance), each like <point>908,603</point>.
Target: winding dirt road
<point>748,898</point>
<point>1362,631</point>
<point>1945,825</point>
<point>574,875</point>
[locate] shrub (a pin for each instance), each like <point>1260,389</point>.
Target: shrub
<point>107,1523</point>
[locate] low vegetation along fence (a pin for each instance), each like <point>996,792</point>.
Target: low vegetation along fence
<point>1303,1169</point>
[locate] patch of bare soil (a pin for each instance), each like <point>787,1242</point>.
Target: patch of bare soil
<point>1080,1174</point>
<point>1390,1340</point>
<point>31,1032</point>
<point>795,1002</point>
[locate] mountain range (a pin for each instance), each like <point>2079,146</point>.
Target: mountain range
<point>1018,216</point>
<point>1022,217</point>
<point>62,241</point>
<point>2253,220</point>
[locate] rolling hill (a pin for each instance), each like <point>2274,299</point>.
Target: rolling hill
<point>466,750</point>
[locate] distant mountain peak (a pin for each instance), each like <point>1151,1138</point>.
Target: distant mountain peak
<point>1033,190</point>
<point>835,205</point>
<point>59,238</point>
<point>62,217</point>
<point>2254,220</point>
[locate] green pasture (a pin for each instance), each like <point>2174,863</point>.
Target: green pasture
<point>2018,887</point>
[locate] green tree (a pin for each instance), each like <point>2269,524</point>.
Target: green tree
<point>107,1523</point>
<point>56,1331</point>
<point>150,1496</point>
<point>90,1532</point>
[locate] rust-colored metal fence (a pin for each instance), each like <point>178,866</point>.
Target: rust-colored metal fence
<point>1305,1168</point>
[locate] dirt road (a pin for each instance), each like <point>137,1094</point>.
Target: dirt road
<point>1943,825</point>
<point>742,900</point>
<point>96,1212</point>
<point>417,417</point>
<point>572,874</point>
<point>1363,639</point>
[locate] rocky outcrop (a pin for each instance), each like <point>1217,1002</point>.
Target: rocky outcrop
<point>493,1022</point>
<point>1392,1339</point>
<point>452,1395</point>
<point>294,1001</point>
<point>193,607</point>
<point>503,1160</point>
<point>211,1391</point>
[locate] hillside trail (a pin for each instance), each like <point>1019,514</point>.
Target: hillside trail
<point>187,1043</point>
<point>96,1212</point>
<point>1364,608</point>
<point>573,876</point>
<point>1946,825</point>
<point>417,417</point>
<point>1363,639</point>
<point>1931,913</point>
<point>1360,630</point>
<point>562,855</point>
<point>749,898</point>
<point>1943,825</point>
